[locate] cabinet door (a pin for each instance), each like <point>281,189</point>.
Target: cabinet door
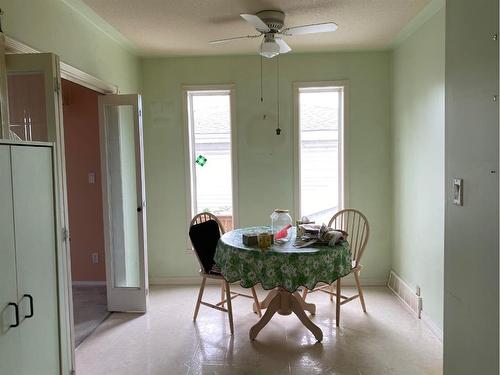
<point>9,337</point>
<point>32,80</point>
<point>34,221</point>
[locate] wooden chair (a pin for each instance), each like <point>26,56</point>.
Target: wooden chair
<point>226,295</point>
<point>356,225</point>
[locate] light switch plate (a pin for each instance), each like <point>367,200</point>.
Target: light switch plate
<point>458,192</point>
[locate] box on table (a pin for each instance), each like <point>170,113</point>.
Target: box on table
<point>251,239</point>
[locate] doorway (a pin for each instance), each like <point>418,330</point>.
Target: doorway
<point>85,207</point>
<point>35,92</point>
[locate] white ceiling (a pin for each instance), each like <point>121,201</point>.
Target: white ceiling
<point>184,27</point>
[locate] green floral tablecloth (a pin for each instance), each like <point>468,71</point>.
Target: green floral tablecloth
<point>282,265</point>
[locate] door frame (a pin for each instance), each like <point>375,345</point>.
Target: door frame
<point>68,71</point>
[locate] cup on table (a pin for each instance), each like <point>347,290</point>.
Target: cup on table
<point>264,240</point>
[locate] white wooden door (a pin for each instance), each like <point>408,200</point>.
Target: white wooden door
<point>124,206</point>
<point>35,238</point>
<point>9,333</point>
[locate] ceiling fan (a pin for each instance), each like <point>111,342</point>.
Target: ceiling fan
<point>270,25</point>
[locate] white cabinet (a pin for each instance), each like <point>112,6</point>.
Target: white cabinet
<point>29,320</point>
<point>9,337</point>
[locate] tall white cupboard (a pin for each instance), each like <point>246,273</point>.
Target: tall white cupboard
<point>29,312</point>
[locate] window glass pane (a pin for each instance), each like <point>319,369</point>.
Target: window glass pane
<point>27,110</point>
<point>319,152</point>
<point>211,146</point>
<point>122,190</point>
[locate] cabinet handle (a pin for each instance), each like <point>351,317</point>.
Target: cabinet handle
<point>16,309</point>
<point>30,297</point>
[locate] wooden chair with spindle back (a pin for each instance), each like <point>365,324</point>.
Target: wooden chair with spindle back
<point>356,225</point>
<point>226,295</point>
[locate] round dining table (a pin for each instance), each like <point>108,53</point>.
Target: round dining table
<point>282,269</point>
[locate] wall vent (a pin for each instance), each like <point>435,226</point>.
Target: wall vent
<point>409,297</point>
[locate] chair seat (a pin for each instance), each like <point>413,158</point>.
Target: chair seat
<point>356,267</point>
<point>214,273</point>
<point>215,270</point>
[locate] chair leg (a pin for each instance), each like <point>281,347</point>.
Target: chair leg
<point>222,293</point>
<point>200,294</point>
<point>229,308</point>
<point>257,303</point>
<point>337,307</point>
<point>360,290</point>
<point>304,294</point>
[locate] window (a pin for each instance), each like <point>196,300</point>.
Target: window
<point>210,153</point>
<point>319,150</point>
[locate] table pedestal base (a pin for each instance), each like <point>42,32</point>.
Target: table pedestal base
<point>283,302</point>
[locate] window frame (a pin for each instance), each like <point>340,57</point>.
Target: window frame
<point>343,166</point>
<point>190,179</point>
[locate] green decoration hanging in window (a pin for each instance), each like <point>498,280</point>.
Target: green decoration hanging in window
<point>201,160</point>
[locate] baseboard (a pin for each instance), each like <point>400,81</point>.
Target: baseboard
<point>190,280</point>
<point>195,280</point>
<point>88,283</point>
<point>438,332</point>
<point>365,281</point>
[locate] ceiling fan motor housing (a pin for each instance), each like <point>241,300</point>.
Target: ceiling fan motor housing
<point>274,19</point>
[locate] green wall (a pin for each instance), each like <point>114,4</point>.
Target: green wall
<point>418,162</point>
<point>265,161</point>
<point>63,28</point>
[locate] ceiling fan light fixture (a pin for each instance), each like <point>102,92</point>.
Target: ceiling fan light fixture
<point>270,25</point>
<point>269,48</point>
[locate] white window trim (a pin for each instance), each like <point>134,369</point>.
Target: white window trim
<point>343,141</point>
<point>188,152</point>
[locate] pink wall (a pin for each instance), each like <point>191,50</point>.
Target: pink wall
<point>81,137</point>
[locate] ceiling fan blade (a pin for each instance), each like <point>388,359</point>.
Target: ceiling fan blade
<point>310,29</point>
<point>284,47</point>
<point>231,39</point>
<point>256,22</point>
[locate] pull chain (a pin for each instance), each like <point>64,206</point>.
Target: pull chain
<point>278,129</point>
<point>261,90</point>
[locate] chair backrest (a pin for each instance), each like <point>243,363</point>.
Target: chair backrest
<point>205,216</point>
<point>204,231</point>
<point>356,225</point>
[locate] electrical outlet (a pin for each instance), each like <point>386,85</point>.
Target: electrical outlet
<point>92,178</point>
<point>95,258</point>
